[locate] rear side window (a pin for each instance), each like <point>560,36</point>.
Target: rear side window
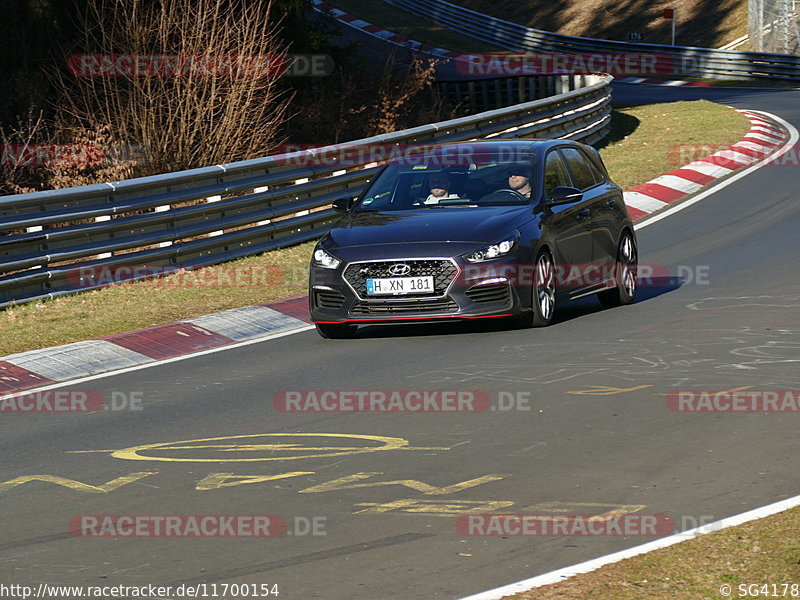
<point>555,173</point>
<point>583,172</point>
<point>596,163</point>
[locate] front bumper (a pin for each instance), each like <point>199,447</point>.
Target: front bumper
<point>463,292</point>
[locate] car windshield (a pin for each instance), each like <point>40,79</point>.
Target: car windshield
<point>407,184</point>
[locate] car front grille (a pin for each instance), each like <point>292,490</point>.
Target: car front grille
<point>404,307</point>
<point>489,293</point>
<point>442,271</point>
<point>328,299</point>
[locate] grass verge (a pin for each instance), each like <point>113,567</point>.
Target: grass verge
<point>274,275</point>
<point>766,551</point>
<point>653,139</point>
<point>641,141</point>
<point>747,83</point>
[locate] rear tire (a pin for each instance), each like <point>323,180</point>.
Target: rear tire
<point>625,273</point>
<point>336,332</point>
<point>543,301</point>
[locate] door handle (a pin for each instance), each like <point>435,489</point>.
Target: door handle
<point>611,202</point>
<point>584,212</point>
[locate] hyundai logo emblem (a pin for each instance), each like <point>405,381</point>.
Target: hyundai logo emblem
<point>399,269</point>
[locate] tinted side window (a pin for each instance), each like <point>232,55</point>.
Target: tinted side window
<point>555,173</point>
<point>596,171</point>
<point>585,176</point>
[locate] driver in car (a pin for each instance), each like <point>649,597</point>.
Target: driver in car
<point>519,179</point>
<point>439,184</point>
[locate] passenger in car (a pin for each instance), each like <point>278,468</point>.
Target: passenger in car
<point>439,184</point>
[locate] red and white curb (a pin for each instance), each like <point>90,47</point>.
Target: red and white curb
<point>156,344</point>
<point>764,137</point>
<point>667,82</point>
<point>379,32</point>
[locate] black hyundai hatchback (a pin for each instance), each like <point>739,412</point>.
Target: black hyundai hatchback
<point>493,229</point>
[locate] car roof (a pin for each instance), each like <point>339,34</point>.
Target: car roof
<point>499,148</point>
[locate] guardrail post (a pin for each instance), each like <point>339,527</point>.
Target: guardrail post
<point>211,199</point>
<point>100,220</point>
<point>34,229</point>
<point>302,213</point>
<point>473,100</point>
<point>159,209</point>
<point>258,190</point>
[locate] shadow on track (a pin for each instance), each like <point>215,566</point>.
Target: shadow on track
<point>649,288</point>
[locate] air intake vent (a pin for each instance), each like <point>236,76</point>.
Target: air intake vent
<point>328,299</point>
<point>443,305</point>
<point>489,293</point>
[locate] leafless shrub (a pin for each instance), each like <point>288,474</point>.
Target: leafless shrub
<point>181,120</point>
<point>357,102</point>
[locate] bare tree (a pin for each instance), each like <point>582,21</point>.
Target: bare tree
<point>191,83</point>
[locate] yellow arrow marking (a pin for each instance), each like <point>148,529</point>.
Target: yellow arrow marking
<point>77,485</point>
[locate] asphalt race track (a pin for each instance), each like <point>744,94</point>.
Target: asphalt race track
<point>591,433</point>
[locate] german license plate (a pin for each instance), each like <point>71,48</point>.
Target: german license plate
<point>398,286</point>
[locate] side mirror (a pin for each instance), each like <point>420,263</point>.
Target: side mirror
<point>343,204</point>
<point>563,194</point>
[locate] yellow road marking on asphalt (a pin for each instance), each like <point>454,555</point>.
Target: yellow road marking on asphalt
<point>616,510</point>
<point>346,483</point>
<point>77,485</point>
<point>739,389</point>
<point>146,451</point>
<point>604,390</point>
<point>434,508</point>
<point>215,481</point>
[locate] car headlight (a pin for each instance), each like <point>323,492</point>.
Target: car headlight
<point>325,260</point>
<point>502,248</point>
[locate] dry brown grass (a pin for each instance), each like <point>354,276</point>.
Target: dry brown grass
<point>763,551</point>
<point>704,23</point>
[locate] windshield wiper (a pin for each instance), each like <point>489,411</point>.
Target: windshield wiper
<point>450,205</point>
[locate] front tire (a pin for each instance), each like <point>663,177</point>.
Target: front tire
<point>625,273</point>
<point>543,301</point>
<point>336,332</point>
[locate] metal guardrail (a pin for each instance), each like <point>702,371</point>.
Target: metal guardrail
<point>480,94</point>
<point>49,239</point>
<point>685,60</point>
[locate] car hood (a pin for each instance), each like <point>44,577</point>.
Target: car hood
<point>451,224</point>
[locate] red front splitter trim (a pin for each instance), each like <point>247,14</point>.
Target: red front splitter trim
<point>368,321</point>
